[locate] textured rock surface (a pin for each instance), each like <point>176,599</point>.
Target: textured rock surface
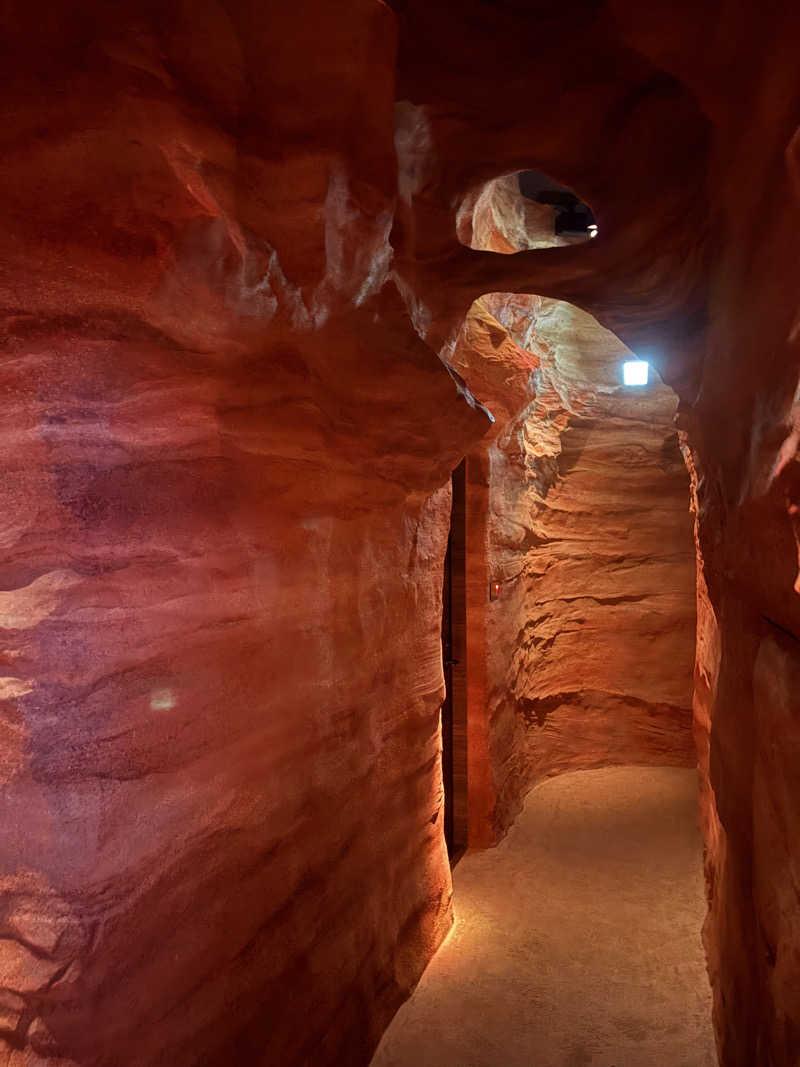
<point>595,553</point>
<point>222,559</point>
<point>497,217</point>
<point>590,648</point>
<point>224,441</point>
<point>678,145</point>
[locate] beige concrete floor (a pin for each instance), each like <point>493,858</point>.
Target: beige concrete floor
<point>577,939</point>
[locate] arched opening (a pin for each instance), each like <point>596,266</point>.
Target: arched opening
<point>580,606</point>
<point>587,648</point>
<point>522,211</point>
<point>573,218</point>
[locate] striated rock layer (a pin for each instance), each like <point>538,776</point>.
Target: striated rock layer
<point>679,126</point>
<point>224,514</point>
<point>590,647</point>
<point>230,252</point>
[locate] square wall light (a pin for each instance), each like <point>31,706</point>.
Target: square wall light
<point>634,372</point>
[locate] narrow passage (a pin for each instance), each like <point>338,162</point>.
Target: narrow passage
<point>577,939</point>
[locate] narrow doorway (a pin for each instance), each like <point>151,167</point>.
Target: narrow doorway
<point>454,708</point>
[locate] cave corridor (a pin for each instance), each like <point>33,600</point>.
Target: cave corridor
<point>390,673</point>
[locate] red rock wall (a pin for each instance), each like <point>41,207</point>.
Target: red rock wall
<point>589,649</point>
<point>223,532</point>
<point>746,487</point>
<point>225,428</point>
<point>678,124</point>
<point>739,423</point>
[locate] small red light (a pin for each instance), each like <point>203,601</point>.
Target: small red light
<point>494,590</point>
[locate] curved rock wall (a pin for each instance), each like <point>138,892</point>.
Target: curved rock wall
<point>223,528</point>
<point>590,646</point>
<point>223,287</point>
<point>679,126</point>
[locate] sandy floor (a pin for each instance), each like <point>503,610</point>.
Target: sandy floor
<point>577,940</point>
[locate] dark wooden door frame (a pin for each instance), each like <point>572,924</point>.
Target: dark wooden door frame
<point>454,708</point>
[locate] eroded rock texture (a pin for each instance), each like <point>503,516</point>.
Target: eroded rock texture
<point>222,538</point>
<point>677,152</point>
<point>226,433</point>
<point>590,651</point>
<point>590,647</point>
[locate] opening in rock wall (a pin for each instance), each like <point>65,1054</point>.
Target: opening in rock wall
<point>573,218</point>
<point>586,664</point>
<point>590,648</point>
<point>521,211</point>
<point>586,657</point>
<point>589,651</point>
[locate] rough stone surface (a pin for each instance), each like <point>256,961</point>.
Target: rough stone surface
<point>678,145</point>
<point>226,430</point>
<point>590,646</point>
<point>223,527</point>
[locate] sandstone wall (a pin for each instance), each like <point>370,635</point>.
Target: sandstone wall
<point>590,647</point>
<point>226,430</point>
<point>678,125</point>
<point>224,515</point>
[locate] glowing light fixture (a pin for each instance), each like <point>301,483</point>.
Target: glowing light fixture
<point>592,230</point>
<point>634,372</point>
